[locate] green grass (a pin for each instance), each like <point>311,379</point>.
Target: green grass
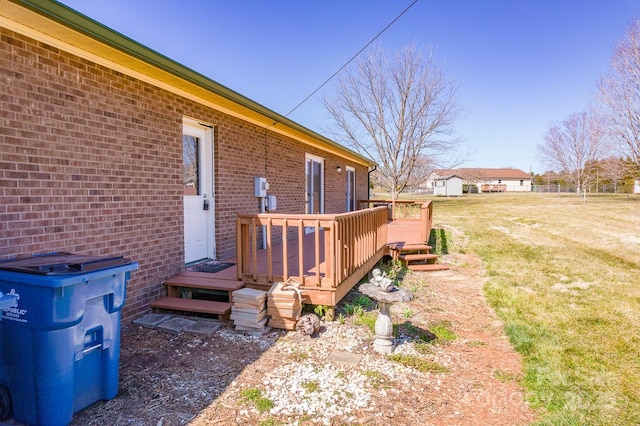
<point>435,332</point>
<point>368,319</point>
<point>299,355</point>
<point>505,377</point>
<point>270,422</point>
<point>418,363</point>
<point>377,379</point>
<point>564,277</point>
<point>254,395</point>
<point>311,387</point>
<point>440,240</point>
<point>442,330</point>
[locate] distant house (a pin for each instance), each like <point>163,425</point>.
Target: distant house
<point>487,180</point>
<point>636,186</point>
<point>449,186</point>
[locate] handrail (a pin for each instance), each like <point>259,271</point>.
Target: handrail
<point>426,220</point>
<point>407,209</point>
<point>330,247</point>
<point>398,209</point>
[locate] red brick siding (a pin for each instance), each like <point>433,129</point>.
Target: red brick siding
<point>90,162</point>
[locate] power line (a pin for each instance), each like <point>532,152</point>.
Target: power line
<point>352,58</point>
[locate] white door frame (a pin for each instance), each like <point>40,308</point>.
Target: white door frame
<point>206,189</point>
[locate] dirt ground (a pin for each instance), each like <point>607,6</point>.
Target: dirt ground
<point>168,379</point>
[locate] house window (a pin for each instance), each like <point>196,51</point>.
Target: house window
<point>521,182</point>
<point>499,181</point>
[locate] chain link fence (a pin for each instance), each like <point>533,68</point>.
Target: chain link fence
<point>593,189</point>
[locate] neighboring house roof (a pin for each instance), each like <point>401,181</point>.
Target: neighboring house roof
<point>504,173</point>
<point>448,177</point>
<point>57,25</point>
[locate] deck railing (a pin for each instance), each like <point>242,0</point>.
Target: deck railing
<point>406,210</point>
<point>322,250</point>
<point>426,220</point>
<point>398,209</point>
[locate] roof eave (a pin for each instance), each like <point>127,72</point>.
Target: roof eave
<point>261,115</point>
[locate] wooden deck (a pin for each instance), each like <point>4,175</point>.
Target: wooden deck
<point>398,235</point>
<point>406,231</point>
<point>399,232</point>
<point>326,254</point>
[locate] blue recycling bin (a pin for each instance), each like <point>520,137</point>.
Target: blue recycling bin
<point>60,343</point>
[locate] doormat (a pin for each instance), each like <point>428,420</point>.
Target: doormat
<point>211,266</point>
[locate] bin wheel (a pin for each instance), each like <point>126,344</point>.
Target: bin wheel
<point>5,403</point>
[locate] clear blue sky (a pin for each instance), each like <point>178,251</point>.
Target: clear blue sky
<point>519,64</point>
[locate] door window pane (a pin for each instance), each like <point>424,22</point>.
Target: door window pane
<point>190,167</point>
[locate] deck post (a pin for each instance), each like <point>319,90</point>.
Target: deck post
<point>254,247</point>
<point>317,250</point>
<point>285,251</point>
<point>301,251</point>
<point>329,253</point>
<point>269,248</point>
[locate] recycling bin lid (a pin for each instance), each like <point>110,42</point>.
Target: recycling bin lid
<point>62,264</point>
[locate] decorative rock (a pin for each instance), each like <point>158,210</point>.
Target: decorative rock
<point>308,324</point>
<point>384,327</point>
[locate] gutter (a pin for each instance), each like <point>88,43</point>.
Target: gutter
<point>91,28</point>
<point>375,167</point>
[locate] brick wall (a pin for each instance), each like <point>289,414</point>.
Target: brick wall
<point>91,163</point>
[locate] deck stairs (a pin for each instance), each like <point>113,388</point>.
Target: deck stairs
<point>416,257</point>
<point>199,292</point>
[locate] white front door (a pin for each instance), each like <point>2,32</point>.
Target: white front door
<point>197,174</point>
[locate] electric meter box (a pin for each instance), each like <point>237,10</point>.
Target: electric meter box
<point>261,187</point>
<point>272,203</point>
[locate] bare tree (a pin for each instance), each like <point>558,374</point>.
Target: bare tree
<point>620,93</point>
<point>472,176</point>
<point>398,110</point>
<point>572,147</point>
<point>421,171</point>
<point>611,170</point>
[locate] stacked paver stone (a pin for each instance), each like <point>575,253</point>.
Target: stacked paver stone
<point>284,306</point>
<point>249,313</point>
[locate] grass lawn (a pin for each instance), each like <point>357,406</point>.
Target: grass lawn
<point>564,276</point>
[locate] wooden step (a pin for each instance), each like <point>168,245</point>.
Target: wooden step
<point>404,247</point>
<point>428,267</point>
<point>203,280</point>
<point>417,256</point>
<point>222,309</point>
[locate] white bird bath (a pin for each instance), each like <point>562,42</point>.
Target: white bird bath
<point>384,327</point>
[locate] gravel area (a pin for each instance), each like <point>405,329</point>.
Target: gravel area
<point>467,376</point>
